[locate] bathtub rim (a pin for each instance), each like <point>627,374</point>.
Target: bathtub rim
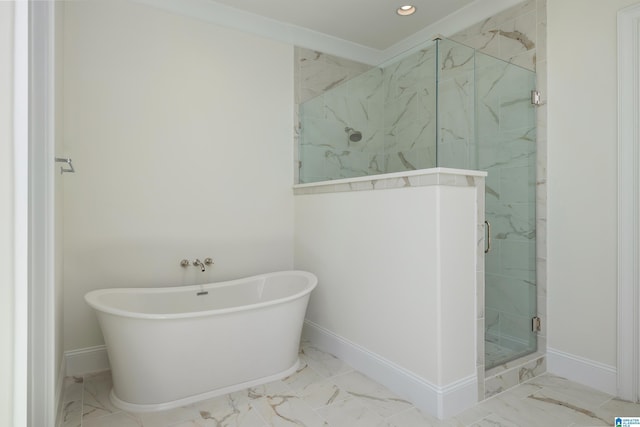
<point>92,297</point>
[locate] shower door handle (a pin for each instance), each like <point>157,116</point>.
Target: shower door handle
<point>488,234</point>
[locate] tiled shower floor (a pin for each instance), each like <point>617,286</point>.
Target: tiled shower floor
<point>496,354</point>
<point>327,392</point>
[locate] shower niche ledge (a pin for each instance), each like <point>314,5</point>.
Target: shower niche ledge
<point>415,178</point>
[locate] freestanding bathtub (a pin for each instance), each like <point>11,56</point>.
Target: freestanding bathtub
<point>169,347</point>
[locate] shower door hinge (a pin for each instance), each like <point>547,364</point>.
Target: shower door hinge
<point>535,97</point>
<point>536,325</point>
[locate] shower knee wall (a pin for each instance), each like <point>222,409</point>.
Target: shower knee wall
<point>398,282</point>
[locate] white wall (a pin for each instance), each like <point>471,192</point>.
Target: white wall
<point>6,213</point>
<point>582,177</point>
<point>180,132</point>
<point>396,274</point>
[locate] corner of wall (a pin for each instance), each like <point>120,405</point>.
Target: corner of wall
<point>582,370</point>
<point>442,402</point>
<point>86,360</point>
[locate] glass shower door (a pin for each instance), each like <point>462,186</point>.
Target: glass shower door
<point>486,122</point>
<point>506,148</point>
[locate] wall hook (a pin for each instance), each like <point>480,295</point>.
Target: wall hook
<point>68,162</point>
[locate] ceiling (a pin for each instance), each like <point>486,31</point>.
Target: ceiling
<point>370,23</point>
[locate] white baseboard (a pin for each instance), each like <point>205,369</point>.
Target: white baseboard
<point>442,402</point>
<point>584,371</point>
<point>59,396</point>
<point>86,360</point>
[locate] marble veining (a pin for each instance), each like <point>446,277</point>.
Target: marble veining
<point>520,37</point>
<point>327,392</point>
<point>531,370</point>
<point>394,109</point>
<point>575,408</point>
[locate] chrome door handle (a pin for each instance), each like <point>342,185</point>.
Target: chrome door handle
<point>488,231</point>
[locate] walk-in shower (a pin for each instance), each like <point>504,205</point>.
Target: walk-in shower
<point>445,105</point>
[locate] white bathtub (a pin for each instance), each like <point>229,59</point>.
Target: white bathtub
<point>169,347</point>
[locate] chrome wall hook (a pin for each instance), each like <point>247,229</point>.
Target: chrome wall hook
<point>68,162</point>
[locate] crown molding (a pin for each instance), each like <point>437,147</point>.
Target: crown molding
<point>223,15</point>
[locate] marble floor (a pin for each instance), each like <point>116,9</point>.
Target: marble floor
<point>327,392</point>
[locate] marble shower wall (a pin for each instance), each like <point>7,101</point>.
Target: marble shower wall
<point>394,109</point>
<point>410,112</point>
<point>456,106</point>
<point>316,73</point>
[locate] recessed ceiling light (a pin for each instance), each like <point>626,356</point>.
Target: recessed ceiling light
<point>406,10</point>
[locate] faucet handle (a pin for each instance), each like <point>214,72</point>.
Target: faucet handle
<point>208,261</point>
<point>185,263</point>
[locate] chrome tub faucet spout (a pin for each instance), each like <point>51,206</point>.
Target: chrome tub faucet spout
<point>197,262</point>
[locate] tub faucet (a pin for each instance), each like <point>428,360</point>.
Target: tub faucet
<point>197,262</point>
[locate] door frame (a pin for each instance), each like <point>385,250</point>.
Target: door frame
<point>628,363</point>
<point>42,388</point>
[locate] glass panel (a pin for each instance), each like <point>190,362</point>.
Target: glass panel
<point>506,149</point>
<point>382,121</point>
<point>410,112</point>
<point>456,109</point>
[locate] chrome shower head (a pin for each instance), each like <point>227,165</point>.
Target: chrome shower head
<point>354,135</point>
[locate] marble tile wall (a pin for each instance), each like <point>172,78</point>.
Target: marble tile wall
<point>316,73</point>
<point>456,106</point>
<point>393,108</point>
<point>410,112</point>
<point>326,151</point>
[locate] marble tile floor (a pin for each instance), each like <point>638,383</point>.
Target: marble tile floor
<point>327,392</point>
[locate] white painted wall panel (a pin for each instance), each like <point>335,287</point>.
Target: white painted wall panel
<point>386,261</point>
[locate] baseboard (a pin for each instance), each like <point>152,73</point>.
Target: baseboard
<point>62,373</point>
<point>86,360</point>
<point>584,371</point>
<point>442,402</point>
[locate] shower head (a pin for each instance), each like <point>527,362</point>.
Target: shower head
<point>354,135</point>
